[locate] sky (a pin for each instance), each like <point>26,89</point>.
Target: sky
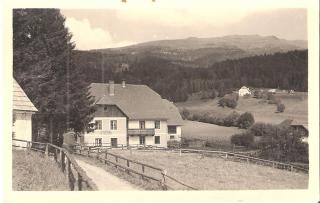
<point>108,28</point>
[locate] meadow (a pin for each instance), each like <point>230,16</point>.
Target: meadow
<point>32,171</point>
<point>213,173</point>
<point>296,108</point>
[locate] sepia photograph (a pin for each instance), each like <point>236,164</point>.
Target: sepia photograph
<point>160,98</point>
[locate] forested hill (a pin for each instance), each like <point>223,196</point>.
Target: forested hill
<point>176,81</point>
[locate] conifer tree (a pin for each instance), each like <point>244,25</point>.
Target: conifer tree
<point>43,65</point>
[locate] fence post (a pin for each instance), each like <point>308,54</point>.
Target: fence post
<point>226,155</point>
<point>68,170</point>
<point>106,157</point>
<point>291,168</point>
<point>63,165</point>
<point>47,150</point>
<point>28,145</point>
<point>122,146</point>
<point>98,153</point>
<point>56,155</point>
<point>116,161</point>
<point>180,152</point>
<point>163,180</point>
<point>79,182</point>
<point>88,152</point>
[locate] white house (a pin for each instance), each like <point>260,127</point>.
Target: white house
<point>244,91</point>
<point>22,111</point>
<point>131,115</point>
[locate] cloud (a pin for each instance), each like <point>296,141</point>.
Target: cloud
<point>87,37</point>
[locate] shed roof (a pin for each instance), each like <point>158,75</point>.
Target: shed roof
<point>136,101</point>
<point>21,101</point>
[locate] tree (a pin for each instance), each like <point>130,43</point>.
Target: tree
<point>245,120</point>
<point>280,107</point>
<point>43,65</point>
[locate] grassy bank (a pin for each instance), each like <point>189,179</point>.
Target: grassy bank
<point>32,171</point>
<point>212,173</point>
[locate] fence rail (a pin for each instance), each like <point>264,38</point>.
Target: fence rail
<point>76,176</point>
<point>158,174</point>
<point>274,164</point>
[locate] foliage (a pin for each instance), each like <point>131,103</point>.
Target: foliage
<point>174,80</point>
<point>185,113</point>
<point>231,119</point>
<point>284,144</point>
<point>44,66</point>
<point>243,139</point>
<point>280,107</point>
<point>173,144</point>
<point>209,94</point>
<point>229,100</point>
<point>260,129</point>
<point>245,120</point>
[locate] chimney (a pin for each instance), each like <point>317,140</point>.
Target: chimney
<point>111,87</point>
<point>123,83</point>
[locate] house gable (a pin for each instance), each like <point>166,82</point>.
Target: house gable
<point>108,111</point>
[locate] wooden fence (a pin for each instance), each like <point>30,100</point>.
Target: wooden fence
<point>224,154</point>
<point>76,176</point>
<point>248,159</point>
<point>145,171</point>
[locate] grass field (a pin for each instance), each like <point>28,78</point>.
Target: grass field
<point>213,173</point>
<point>219,135</point>
<point>31,171</point>
<point>296,108</point>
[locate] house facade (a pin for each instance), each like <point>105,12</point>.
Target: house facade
<point>133,115</point>
<point>23,109</point>
<point>244,91</point>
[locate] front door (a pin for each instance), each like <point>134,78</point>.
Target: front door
<point>142,140</point>
<point>114,142</point>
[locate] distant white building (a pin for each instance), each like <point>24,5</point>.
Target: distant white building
<point>244,91</point>
<point>22,110</point>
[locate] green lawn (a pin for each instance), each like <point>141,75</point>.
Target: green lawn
<point>296,108</point>
<point>32,171</point>
<point>213,173</point>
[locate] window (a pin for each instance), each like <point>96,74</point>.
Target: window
<point>142,124</point>
<point>113,125</point>
<point>142,140</point>
<point>157,124</point>
<point>98,142</point>
<point>171,137</point>
<point>172,129</point>
<point>157,139</point>
<point>105,108</point>
<point>98,124</point>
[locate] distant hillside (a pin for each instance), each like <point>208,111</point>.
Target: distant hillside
<point>203,52</point>
<point>175,81</point>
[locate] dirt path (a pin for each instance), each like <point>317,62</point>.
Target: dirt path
<point>103,179</point>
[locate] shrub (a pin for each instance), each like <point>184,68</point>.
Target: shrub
<point>243,139</point>
<point>173,144</point>
<point>262,129</point>
<point>230,102</point>
<point>231,119</point>
<point>209,94</point>
<point>185,114</point>
<point>257,94</point>
<point>280,107</point>
<point>245,120</point>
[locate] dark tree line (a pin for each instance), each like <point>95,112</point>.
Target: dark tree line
<point>44,66</point>
<point>175,81</point>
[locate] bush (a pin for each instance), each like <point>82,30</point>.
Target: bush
<point>173,144</point>
<point>231,119</point>
<point>262,129</point>
<point>245,120</point>
<point>185,114</point>
<point>243,139</point>
<point>209,94</point>
<point>280,107</point>
<point>230,102</point>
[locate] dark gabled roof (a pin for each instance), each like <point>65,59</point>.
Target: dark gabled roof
<point>174,117</point>
<point>136,101</point>
<point>20,100</point>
